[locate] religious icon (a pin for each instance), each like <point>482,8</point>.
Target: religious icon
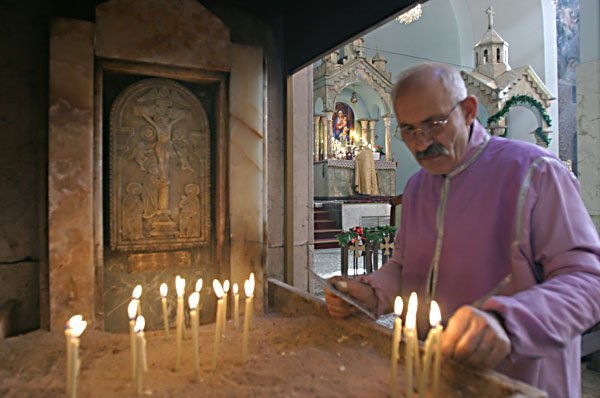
<point>343,122</point>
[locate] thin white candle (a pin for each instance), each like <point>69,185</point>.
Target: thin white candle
<point>251,326</point>
<point>249,290</point>
<point>199,284</point>
<point>132,309</point>
<point>74,320</point>
<point>398,305</point>
<point>77,327</point>
<point>410,339</point>
<point>193,303</point>
<point>137,295</point>
<point>218,289</point>
<point>438,328</point>
<point>141,367</point>
<point>236,307</point>
<point>430,346</point>
<point>225,294</point>
<point>180,288</point>
<point>164,289</point>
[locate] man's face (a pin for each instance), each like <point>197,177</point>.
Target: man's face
<point>438,147</point>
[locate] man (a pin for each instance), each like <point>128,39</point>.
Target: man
<point>495,231</point>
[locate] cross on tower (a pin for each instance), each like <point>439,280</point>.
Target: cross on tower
<point>490,13</point>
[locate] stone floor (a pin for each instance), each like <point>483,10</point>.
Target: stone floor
<point>327,263</point>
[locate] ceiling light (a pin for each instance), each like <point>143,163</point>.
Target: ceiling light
<point>411,15</point>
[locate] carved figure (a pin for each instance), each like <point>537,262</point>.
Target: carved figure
<point>133,209</point>
<point>189,215</point>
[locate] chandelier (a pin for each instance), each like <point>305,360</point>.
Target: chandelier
<point>411,15</point>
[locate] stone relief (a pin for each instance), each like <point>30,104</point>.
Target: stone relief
<point>160,168</point>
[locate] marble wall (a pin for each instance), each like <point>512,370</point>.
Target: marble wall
<point>588,134</point>
<point>70,171</point>
<point>244,200</point>
<point>247,167</point>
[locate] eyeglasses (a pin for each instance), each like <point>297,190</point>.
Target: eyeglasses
<point>428,128</point>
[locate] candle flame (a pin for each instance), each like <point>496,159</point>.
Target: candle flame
<point>179,285</point>
<point>132,309</point>
<point>199,283</point>
<point>235,288</point>
<point>218,288</point>
<point>78,325</point>
<point>411,315</point>
<point>398,305</point>
<point>137,292</point>
<point>249,287</point>
<point>252,276</point>
<point>226,286</point>
<point>164,289</point>
<point>140,324</point>
<point>75,319</point>
<point>193,300</point>
<point>435,315</point>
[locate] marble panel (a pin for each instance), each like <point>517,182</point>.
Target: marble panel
<point>247,146</point>
<point>352,213</point>
<point>70,171</point>
<point>175,33</point>
<point>588,134</point>
<point>247,168</point>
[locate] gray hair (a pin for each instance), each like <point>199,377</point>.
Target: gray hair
<point>450,78</point>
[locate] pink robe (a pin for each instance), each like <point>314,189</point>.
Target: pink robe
<point>511,209</point>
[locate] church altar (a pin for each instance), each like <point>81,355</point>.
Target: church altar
<point>334,178</point>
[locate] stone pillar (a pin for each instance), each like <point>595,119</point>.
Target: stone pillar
<point>71,171</point>
<point>328,135</point>
<point>323,139</point>
<point>364,125</point>
<point>372,124</point>
<point>317,134</point>
<point>387,121</point>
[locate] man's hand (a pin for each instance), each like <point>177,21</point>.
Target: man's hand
<point>338,308</point>
<point>475,338</point>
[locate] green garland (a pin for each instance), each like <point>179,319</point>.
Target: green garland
<point>527,100</point>
<point>373,234</point>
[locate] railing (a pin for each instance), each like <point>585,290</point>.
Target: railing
<point>367,250</point>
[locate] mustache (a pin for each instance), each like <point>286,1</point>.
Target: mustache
<point>433,149</point>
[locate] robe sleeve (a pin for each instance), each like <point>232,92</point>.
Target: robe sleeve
<point>559,235</point>
<point>387,281</point>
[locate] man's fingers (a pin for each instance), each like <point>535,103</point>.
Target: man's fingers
<point>475,338</point>
<point>457,325</point>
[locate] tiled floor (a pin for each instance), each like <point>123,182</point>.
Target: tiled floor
<point>327,263</point>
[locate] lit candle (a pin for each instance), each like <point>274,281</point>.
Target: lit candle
<point>236,307</point>
<point>198,287</point>
<point>74,320</point>
<point>193,302</point>
<point>398,305</point>
<point>431,344</point>
<point>225,293</point>
<point>131,312</point>
<point>437,321</point>
<point>251,301</point>
<point>164,289</point>
<point>180,288</point>
<point>142,366</point>
<point>410,340</point>
<point>136,295</point>
<point>249,290</point>
<point>77,325</point>
<point>219,293</point>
